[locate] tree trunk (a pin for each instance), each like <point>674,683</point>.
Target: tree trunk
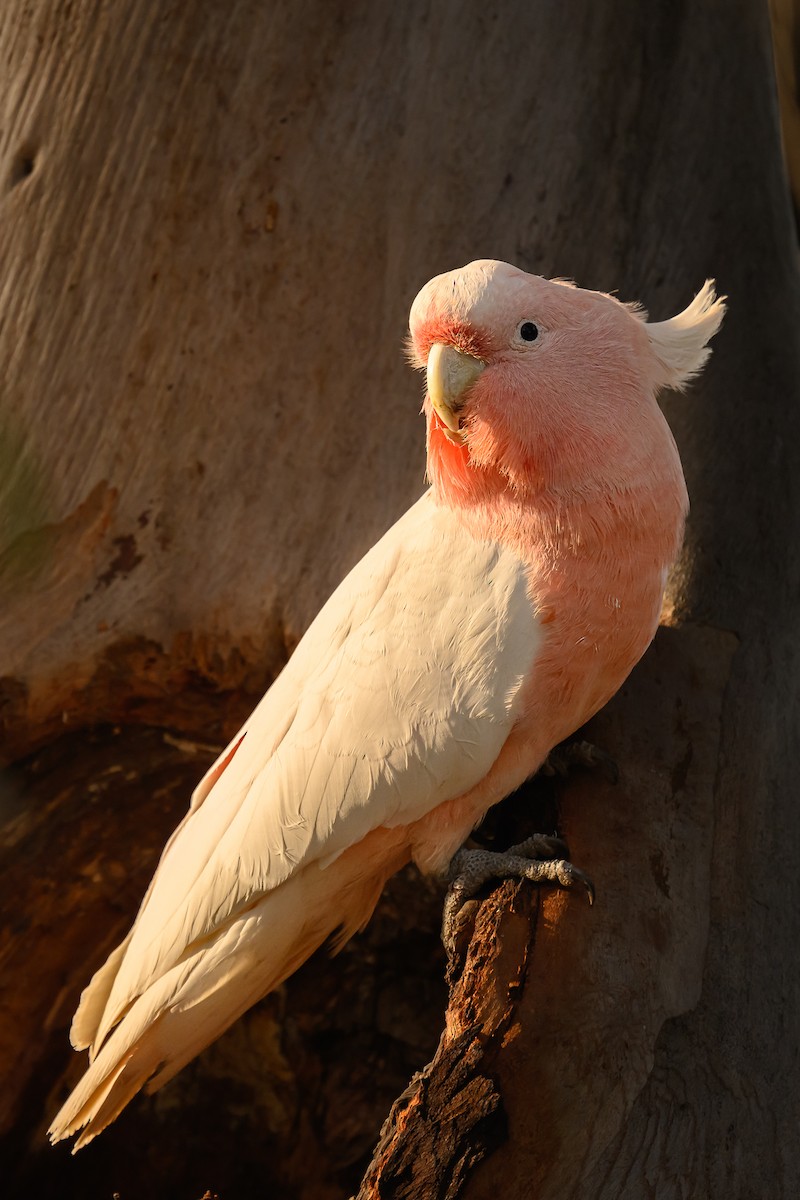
<point>215,219</point>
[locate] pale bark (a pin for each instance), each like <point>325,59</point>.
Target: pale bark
<point>214,220</point>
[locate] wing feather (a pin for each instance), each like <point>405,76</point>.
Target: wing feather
<point>399,697</point>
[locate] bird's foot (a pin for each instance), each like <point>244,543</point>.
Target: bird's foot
<point>564,758</point>
<point>540,859</point>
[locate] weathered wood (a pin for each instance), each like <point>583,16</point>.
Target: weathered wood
<point>214,220</point>
<point>200,344</point>
<point>584,1027</point>
<point>452,1114</point>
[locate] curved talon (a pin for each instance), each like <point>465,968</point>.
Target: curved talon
<point>573,875</point>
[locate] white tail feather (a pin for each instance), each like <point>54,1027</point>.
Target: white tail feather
<point>680,344</point>
<point>195,1001</point>
<point>83,1031</point>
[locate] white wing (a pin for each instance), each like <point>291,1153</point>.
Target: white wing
<point>399,697</point>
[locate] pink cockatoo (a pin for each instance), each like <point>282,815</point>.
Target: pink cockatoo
<point>491,621</point>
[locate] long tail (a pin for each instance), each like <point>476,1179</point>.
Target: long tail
<point>195,1001</point>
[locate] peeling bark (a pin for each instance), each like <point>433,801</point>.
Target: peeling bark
<point>559,1015</point>
<point>452,1115</point>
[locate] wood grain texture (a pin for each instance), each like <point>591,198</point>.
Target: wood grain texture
<point>214,219</point>
<point>452,1115</point>
<point>208,262</point>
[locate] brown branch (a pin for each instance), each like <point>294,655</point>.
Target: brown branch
<point>451,1115</point>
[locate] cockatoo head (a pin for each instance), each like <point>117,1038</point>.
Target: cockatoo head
<point>536,384</point>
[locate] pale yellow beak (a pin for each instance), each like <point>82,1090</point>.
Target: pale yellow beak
<point>450,376</point>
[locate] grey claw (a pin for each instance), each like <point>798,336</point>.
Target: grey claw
<point>579,876</point>
<point>539,859</point>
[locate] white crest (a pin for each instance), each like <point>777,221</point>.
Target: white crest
<point>680,344</point>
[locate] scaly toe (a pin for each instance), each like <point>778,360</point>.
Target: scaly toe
<point>538,859</point>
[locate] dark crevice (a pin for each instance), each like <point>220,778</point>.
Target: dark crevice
<point>22,167</point>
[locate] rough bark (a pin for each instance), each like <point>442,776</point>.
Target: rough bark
<point>586,990</point>
<point>214,220</point>
<point>451,1115</point>
<point>785,20</point>
<point>659,1032</point>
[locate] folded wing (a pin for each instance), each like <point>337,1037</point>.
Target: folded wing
<point>399,697</point>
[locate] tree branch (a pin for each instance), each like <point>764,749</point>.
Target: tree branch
<point>451,1115</point>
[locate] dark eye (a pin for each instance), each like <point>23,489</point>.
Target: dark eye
<point>528,331</point>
